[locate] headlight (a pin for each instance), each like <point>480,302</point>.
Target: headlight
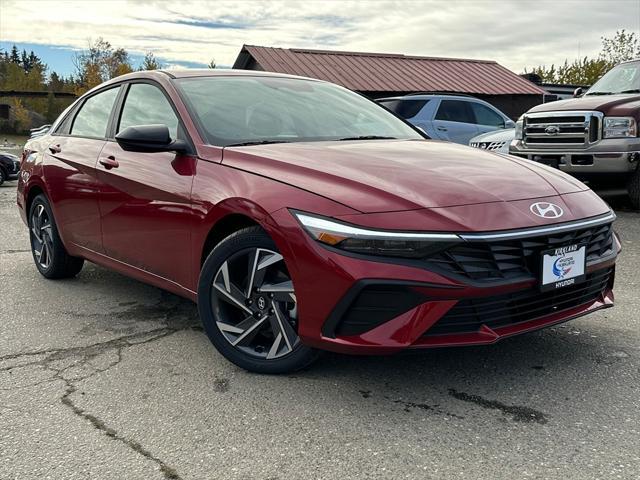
<point>519,133</point>
<point>616,127</point>
<point>374,242</point>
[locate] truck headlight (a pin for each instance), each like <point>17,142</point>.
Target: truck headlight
<point>386,243</point>
<point>519,133</point>
<point>617,127</point>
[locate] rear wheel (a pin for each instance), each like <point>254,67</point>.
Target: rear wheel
<point>248,305</point>
<point>49,254</point>
<point>634,189</point>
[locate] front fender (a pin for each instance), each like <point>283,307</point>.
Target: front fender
<point>220,191</point>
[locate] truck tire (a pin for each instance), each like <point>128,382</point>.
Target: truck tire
<point>633,188</point>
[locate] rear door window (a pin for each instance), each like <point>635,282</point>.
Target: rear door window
<point>405,108</point>
<point>455,111</point>
<point>93,118</point>
<point>486,116</point>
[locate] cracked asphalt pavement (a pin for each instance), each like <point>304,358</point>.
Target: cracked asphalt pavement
<point>102,377</point>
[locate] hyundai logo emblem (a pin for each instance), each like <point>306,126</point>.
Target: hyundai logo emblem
<point>546,210</point>
<point>552,130</point>
<point>261,303</point>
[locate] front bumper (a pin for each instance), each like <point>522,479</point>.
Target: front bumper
<point>356,305</point>
<point>618,155</point>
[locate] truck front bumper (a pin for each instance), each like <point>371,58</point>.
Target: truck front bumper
<point>618,155</point>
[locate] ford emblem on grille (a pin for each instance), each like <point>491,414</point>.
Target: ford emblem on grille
<point>546,210</point>
<point>552,130</point>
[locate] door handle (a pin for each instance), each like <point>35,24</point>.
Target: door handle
<point>109,162</point>
<point>442,129</point>
<point>55,148</point>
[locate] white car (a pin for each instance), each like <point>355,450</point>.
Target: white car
<point>498,140</point>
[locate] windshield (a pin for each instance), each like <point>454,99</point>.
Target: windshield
<point>624,78</point>
<point>246,110</point>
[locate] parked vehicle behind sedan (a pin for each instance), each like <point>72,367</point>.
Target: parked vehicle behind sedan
<point>301,216</point>
<point>594,137</point>
<point>9,167</point>
<point>495,141</point>
<point>454,118</point>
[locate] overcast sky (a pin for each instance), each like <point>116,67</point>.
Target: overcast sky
<point>516,33</point>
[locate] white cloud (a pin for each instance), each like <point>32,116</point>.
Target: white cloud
<point>517,33</point>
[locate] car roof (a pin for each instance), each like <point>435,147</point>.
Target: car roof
<point>205,72</point>
<point>430,96</point>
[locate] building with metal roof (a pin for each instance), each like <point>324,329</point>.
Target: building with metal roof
<point>380,74</point>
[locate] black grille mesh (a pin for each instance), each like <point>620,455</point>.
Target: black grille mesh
<point>517,258</point>
<point>469,315</point>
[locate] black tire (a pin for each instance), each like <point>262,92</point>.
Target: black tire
<point>3,176</point>
<point>216,308</point>
<point>634,189</point>
<point>45,241</point>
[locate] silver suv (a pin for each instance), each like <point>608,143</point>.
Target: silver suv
<point>455,118</point>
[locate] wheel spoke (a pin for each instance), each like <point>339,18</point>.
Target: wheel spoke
<point>253,265</point>
<point>40,253</point>
<point>258,263</point>
<point>230,292</point>
<point>273,351</point>
<point>290,335</point>
<point>282,292</point>
<point>250,332</point>
<point>234,297</point>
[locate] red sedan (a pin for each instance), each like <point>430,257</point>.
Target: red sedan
<point>302,216</point>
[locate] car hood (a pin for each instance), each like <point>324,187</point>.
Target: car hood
<point>500,135</point>
<point>608,104</point>
<point>396,175</point>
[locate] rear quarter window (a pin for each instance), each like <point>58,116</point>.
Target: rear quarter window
<point>405,108</point>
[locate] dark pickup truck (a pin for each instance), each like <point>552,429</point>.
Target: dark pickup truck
<point>593,137</point>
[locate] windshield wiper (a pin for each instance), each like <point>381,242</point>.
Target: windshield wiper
<point>368,137</point>
<point>256,142</point>
<point>633,90</point>
<point>598,93</point>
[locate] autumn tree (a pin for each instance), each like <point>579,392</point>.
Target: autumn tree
<point>21,115</point>
<point>99,63</point>
<point>150,62</point>
<point>621,47</point>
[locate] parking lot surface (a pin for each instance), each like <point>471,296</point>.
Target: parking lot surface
<point>103,377</point>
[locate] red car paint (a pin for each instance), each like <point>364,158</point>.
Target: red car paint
<point>150,217</point>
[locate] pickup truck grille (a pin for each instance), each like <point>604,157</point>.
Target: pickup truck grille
<point>562,129</point>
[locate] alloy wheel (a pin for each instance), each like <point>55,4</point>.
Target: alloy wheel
<point>41,237</point>
<point>255,304</point>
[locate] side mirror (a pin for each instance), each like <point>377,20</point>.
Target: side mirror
<point>509,124</point>
<point>577,92</point>
<point>150,139</point>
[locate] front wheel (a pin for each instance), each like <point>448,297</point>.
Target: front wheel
<point>49,254</point>
<point>248,305</point>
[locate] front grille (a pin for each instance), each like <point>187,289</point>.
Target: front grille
<point>561,129</point>
<point>487,261</point>
<point>488,145</point>
<point>468,316</point>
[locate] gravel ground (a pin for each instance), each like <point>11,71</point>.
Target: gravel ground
<point>102,377</point>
